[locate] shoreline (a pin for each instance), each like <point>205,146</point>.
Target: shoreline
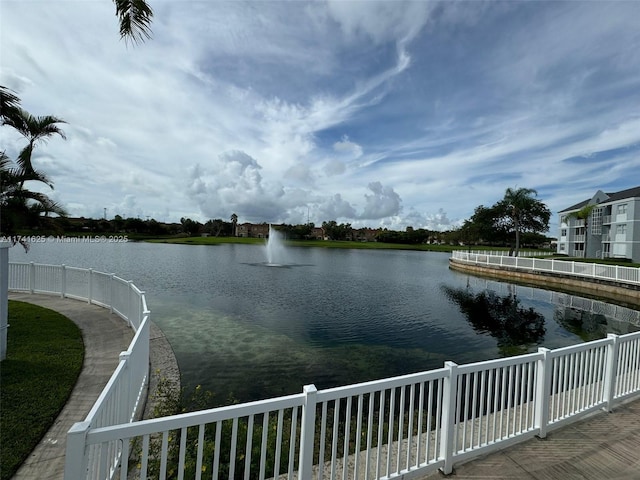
<point>619,293</point>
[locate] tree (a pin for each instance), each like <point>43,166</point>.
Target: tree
<point>335,231</point>
<point>35,130</point>
<point>135,19</point>
<point>583,214</point>
<point>234,223</point>
<point>484,227</point>
<point>20,207</point>
<point>522,212</point>
<point>191,227</point>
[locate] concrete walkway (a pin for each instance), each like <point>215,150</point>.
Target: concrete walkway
<point>105,335</point>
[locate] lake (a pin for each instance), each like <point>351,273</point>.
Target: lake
<point>247,331</point>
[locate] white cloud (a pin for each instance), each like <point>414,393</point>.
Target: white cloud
<point>380,21</point>
<point>335,208</point>
<point>347,147</point>
<point>383,202</point>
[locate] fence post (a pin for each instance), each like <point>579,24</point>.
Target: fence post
<point>4,297</point>
<point>90,292</point>
<point>449,416</point>
<point>75,461</point>
<point>611,368</point>
<point>125,415</point>
<point>130,302</point>
<point>307,433</point>
<point>140,310</point>
<point>111,292</point>
<point>543,391</point>
<point>63,281</point>
<point>32,277</point>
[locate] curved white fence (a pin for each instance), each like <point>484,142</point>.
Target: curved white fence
<point>507,253</point>
<point>122,397</point>
<point>615,273</point>
<point>399,427</point>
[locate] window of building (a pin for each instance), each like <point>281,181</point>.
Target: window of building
<point>622,209</point>
<point>621,229</point>
<point>596,221</point>
<point>562,245</point>
<point>563,232</point>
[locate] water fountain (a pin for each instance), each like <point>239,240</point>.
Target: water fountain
<point>276,251</point>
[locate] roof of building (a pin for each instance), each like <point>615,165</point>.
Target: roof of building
<point>611,197</point>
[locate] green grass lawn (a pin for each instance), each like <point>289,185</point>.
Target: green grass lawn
<point>308,243</point>
<point>44,358</point>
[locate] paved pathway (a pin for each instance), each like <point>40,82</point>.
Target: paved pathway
<point>105,335</point>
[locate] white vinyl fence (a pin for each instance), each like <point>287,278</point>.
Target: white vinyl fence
<point>123,395</point>
<point>397,427</point>
<point>401,427</point>
<point>507,253</point>
<point>615,273</point>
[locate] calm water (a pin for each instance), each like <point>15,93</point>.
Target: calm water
<point>246,331</point>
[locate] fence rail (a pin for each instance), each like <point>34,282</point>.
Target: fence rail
<point>402,426</point>
<point>507,253</point>
<point>616,273</point>
<point>122,397</point>
<point>399,427</point>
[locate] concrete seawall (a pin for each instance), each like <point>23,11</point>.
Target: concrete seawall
<point>614,291</point>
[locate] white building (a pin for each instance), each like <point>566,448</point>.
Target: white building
<point>612,229</point>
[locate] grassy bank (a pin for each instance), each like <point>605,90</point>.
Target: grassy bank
<point>44,358</point>
<point>309,243</point>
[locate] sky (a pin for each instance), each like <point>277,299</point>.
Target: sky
<point>374,113</point>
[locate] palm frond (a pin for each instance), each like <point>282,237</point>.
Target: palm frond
<point>135,19</point>
<point>9,104</point>
<point>34,128</point>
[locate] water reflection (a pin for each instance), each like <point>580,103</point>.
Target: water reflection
<point>587,318</point>
<point>514,327</point>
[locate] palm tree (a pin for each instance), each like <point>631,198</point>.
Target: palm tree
<point>135,19</point>
<point>34,129</point>
<point>524,212</point>
<point>234,222</point>
<point>583,214</point>
<point>21,207</point>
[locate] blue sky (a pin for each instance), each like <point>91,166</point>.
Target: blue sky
<point>375,113</point>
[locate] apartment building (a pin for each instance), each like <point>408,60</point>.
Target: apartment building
<point>611,230</point>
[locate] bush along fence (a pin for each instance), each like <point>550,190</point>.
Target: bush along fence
<point>404,426</point>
